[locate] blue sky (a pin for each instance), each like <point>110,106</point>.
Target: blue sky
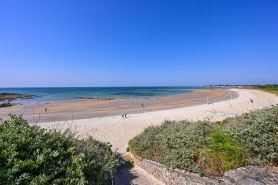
<point>138,42</point>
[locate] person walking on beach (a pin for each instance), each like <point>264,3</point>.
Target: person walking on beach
<point>45,110</point>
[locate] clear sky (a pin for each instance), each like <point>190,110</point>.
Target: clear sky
<point>138,42</point>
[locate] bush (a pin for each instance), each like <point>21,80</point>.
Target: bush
<point>212,147</point>
<point>258,133</point>
<point>31,155</point>
<point>177,143</point>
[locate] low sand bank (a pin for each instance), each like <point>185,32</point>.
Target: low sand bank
<point>92,108</point>
<point>119,131</point>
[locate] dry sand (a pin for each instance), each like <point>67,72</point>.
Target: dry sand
<point>119,131</point>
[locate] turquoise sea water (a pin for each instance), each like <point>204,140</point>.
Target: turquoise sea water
<point>75,93</point>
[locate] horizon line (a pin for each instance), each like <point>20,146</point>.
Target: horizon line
<point>137,86</point>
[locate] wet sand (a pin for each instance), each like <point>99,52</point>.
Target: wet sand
<point>92,108</point>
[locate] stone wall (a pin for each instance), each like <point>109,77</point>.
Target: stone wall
<point>247,175</point>
<point>252,175</point>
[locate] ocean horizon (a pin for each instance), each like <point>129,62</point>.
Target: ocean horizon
<point>52,94</point>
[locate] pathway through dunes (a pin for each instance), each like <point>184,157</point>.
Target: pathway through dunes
<point>128,175</point>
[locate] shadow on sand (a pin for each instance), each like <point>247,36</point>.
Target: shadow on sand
<point>124,175</point>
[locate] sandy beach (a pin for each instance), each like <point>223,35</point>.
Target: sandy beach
<point>92,108</point>
<point>118,131</point>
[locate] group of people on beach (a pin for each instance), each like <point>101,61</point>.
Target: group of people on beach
<point>124,115</point>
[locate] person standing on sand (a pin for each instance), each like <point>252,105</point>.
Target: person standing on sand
<point>45,110</point>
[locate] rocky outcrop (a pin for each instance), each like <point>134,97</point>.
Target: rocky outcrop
<point>6,98</point>
<point>14,96</point>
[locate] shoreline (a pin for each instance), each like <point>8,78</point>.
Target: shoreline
<point>118,131</point>
<point>97,98</point>
<point>92,108</point>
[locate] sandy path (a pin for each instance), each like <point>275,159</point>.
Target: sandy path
<point>119,131</point>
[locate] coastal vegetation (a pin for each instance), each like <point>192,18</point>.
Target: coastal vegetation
<point>212,147</point>
<point>268,88</point>
<point>32,155</point>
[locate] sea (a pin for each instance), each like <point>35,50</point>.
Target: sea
<point>50,94</point>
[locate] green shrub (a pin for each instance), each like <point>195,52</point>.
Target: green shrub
<point>100,160</point>
<point>31,155</point>
<point>212,147</point>
<point>175,141</point>
<point>258,132</point>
